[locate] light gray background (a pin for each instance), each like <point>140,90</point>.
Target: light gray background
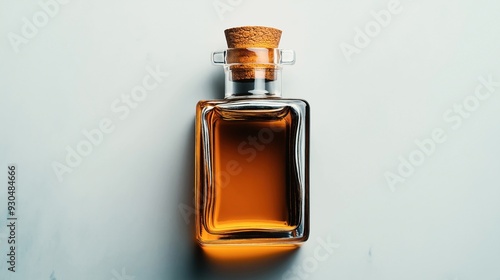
<point>118,215</point>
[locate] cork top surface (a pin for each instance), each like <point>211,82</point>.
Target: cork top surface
<point>252,37</point>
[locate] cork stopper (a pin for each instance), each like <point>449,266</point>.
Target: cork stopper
<point>246,62</point>
<point>252,37</point>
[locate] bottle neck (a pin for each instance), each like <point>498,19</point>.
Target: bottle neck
<point>253,82</point>
<point>253,72</point>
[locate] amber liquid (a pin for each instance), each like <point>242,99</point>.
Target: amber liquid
<point>251,186</point>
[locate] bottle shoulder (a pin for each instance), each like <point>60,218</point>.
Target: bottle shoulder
<point>253,108</point>
<point>252,102</point>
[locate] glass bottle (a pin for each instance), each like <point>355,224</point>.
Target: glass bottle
<point>252,149</point>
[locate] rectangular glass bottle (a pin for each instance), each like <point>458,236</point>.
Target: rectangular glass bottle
<point>252,156</point>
